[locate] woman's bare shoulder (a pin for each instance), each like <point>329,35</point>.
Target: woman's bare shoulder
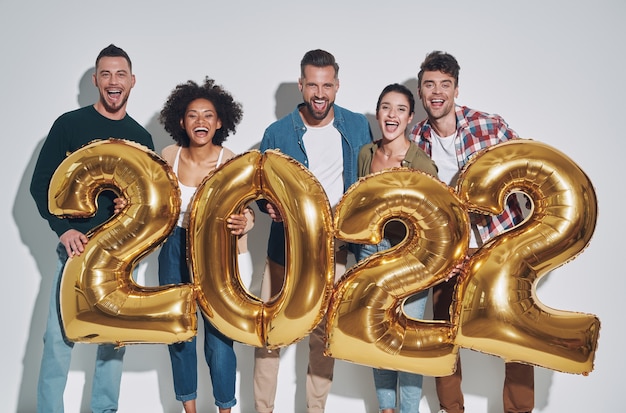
<point>169,153</point>
<point>228,154</point>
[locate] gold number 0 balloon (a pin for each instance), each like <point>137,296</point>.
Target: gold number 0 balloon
<point>100,302</point>
<point>366,324</point>
<point>309,262</point>
<point>497,310</point>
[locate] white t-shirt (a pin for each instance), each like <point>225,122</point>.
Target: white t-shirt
<point>444,155</point>
<point>325,154</point>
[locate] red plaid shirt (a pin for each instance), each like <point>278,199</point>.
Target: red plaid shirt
<point>475,131</point>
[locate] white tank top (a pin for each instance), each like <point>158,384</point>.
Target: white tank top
<point>187,192</point>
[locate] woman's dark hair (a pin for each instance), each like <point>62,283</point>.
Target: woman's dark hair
<point>396,87</point>
<point>228,111</point>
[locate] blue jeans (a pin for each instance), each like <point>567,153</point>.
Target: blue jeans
<point>218,349</point>
<point>57,355</point>
<point>389,382</point>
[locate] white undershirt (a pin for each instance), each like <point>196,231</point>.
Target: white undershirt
<point>187,192</point>
<point>444,155</point>
<point>325,154</point>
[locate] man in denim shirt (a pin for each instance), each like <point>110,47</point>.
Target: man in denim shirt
<point>326,139</point>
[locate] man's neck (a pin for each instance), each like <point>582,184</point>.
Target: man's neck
<point>117,115</point>
<point>444,126</point>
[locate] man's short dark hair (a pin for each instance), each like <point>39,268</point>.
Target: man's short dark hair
<point>442,62</point>
<point>113,51</point>
<point>318,58</point>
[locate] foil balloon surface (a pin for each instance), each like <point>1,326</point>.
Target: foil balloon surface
<point>309,272</point>
<point>99,300</point>
<point>497,309</point>
<point>366,324</point>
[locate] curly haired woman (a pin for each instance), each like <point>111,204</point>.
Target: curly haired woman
<point>200,118</point>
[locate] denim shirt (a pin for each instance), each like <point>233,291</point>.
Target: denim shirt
<point>287,134</point>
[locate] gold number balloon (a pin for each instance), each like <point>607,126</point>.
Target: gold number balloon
<point>497,311</point>
<point>100,302</point>
<point>366,323</point>
<point>309,262</point>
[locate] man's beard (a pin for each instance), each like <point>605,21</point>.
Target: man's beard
<point>113,109</point>
<point>316,114</point>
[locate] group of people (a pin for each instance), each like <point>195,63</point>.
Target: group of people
<point>336,145</point>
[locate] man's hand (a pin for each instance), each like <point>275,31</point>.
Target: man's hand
<point>74,242</point>
<point>274,213</point>
<point>459,269</point>
<point>120,203</point>
<point>238,223</point>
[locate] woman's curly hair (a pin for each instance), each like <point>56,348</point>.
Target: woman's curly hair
<point>228,111</point>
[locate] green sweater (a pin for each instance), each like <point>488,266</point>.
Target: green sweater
<point>70,132</point>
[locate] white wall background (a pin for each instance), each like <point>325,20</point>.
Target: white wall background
<point>553,70</point>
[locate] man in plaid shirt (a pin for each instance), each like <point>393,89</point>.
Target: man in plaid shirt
<point>451,135</point>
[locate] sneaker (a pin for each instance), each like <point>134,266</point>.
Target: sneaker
<point>442,411</point>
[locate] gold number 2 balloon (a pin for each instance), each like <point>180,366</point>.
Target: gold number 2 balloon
<point>309,269</point>
<point>366,324</point>
<point>497,309</point>
<point>100,302</point>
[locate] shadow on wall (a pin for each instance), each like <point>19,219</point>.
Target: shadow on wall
<point>41,240</point>
<point>287,97</point>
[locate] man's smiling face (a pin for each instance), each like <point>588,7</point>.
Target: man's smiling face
<point>114,80</point>
<point>437,92</point>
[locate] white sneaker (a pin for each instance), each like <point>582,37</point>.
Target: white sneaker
<point>442,411</point>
